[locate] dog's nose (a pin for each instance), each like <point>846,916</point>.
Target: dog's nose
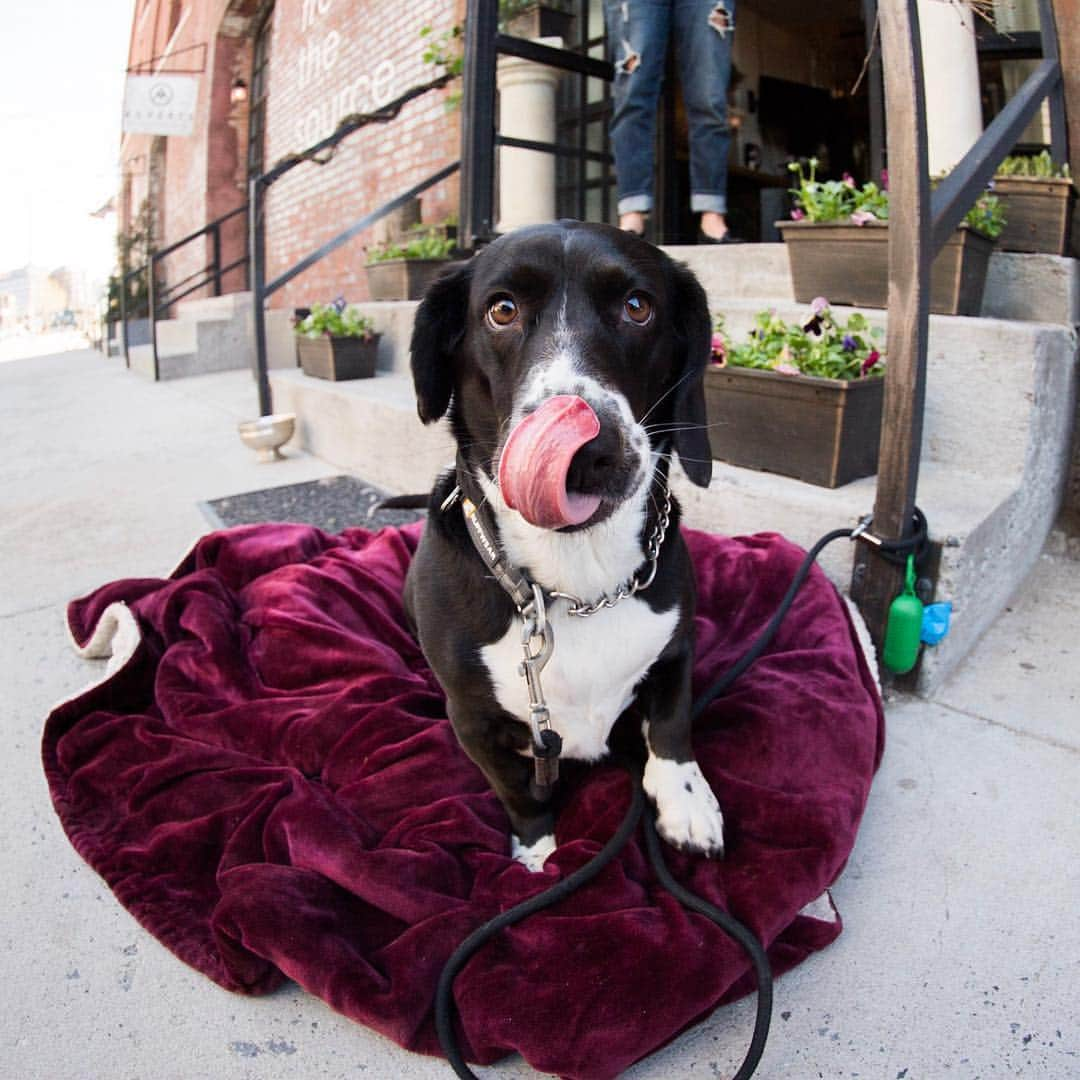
<point>597,468</point>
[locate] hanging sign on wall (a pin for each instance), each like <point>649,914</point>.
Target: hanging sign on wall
<point>160,104</point>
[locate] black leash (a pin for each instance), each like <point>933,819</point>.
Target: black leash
<point>894,550</point>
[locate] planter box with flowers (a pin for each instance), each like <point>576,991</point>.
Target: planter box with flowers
<point>801,401</point>
<point>1038,197</point>
<point>336,342</point>
<point>404,270</point>
<point>838,246</point>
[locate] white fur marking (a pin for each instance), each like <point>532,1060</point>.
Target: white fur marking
<point>598,661</point>
<point>533,856</point>
<point>586,562</point>
<point>687,813</point>
<point>591,676</point>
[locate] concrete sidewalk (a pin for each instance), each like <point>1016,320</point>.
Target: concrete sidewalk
<point>961,951</point>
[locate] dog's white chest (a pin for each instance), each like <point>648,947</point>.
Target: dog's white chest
<point>590,679</point>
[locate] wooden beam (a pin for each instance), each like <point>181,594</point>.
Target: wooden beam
<point>876,582</point>
<point>1067,17</point>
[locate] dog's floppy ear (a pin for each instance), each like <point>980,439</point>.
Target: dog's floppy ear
<point>437,331</point>
<point>694,329</point>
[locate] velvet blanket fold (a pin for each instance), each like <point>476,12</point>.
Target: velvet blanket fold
<point>267,780</point>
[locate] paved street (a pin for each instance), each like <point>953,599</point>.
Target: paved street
<point>961,951</point>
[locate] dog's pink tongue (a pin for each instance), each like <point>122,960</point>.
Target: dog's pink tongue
<point>536,460</point>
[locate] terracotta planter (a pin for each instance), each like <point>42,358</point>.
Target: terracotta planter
<point>822,431</point>
<point>402,279</point>
<point>849,264</point>
<point>1038,211</point>
<point>338,358</point>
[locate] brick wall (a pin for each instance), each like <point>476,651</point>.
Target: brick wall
<point>200,176</point>
<point>328,58</point>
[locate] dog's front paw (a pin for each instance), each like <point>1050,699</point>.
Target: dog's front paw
<point>687,813</point>
<point>533,855</point>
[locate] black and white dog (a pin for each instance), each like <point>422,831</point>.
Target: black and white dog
<point>570,358</point>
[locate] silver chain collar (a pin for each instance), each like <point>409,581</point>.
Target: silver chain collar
<point>652,555</point>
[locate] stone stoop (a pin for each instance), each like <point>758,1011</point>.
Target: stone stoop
<point>210,334</point>
<point>1001,399</point>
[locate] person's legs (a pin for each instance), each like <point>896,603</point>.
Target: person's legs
<point>703,37</point>
<point>637,32</point>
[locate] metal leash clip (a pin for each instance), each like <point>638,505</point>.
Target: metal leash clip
<point>547,744</point>
<point>862,531</point>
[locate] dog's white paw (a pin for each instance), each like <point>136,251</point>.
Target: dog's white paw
<point>687,813</point>
<point>533,856</point>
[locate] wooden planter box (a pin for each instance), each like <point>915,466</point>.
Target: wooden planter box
<point>1037,211</point>
<point>402,279</point>
<point>338,358</point>
<point>823,431</point>
<point>849,264</point>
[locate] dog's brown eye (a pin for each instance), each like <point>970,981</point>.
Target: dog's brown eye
<point>502,311</point>
<point>638,308</point>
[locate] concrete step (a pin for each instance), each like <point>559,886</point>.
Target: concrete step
<point>366,426</point>
<point>734,271</point>
<point>177,337</point>
<point>1030,288</point>
<point>227,306</point>
<point>209,335</point>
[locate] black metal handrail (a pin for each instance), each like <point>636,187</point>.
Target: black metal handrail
<point>158,304</point>
<point>920,221</point>
<point>258,187</point>
<point>479,135</point>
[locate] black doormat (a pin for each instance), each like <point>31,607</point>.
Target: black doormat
<point>332,504</point>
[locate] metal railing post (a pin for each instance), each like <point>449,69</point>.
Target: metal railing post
<point>877,582</point>
<point>874,90</point>
<point>151,297</point>
<point>478,123</point>
<point>1051,50</point>
<point>123,314</point>
<point>215,239</point>
<point>257,239</point>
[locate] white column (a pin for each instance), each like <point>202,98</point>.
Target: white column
<point>951,75</point>
<point>526,111</point>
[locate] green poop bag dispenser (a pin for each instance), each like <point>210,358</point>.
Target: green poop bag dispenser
<point>904,626</point>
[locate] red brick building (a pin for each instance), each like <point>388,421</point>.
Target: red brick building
<point>272,79</point>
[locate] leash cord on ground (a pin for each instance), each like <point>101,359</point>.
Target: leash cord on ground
<point>444,1009</point>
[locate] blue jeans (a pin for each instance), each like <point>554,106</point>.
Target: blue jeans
<point>637,32</point>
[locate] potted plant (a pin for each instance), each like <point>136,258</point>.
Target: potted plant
<point>335,341</point>
<point>801,400</point>
<point>403,270</point>
<point>838,246</point>
<point>1038,196</point>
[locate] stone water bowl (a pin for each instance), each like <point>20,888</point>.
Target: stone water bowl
<point>267,434</point>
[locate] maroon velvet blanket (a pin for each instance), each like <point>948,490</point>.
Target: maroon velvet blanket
<point>270,785</point>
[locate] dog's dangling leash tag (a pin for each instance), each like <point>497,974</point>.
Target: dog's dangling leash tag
<point>546,762</point>
<point>546,743</point>
<point>904,627</point>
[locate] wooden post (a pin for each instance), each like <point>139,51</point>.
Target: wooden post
<point>876,582</point>
<point>1067,17</point>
